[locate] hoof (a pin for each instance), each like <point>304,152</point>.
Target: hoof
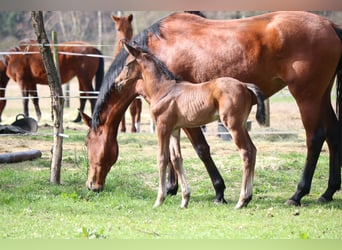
<point>78,119</point>
<point>292,203</point>
<point>220,200</point>
<point>185,200</point>
<point>171,189</point>
<point>243,203</point>
<point>324,200</point>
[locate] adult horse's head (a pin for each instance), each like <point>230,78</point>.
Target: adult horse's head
<point>110,106</point>
<point>101,141</point>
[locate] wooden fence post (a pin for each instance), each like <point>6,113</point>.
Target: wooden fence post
<point>56,93</point>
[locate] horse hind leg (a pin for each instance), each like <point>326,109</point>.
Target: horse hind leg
<point>138,114</point>
<point>248,155</point>
<point>314,144</point>
<point>202,149</point>
<point>35,100</point>
<point>177,161</point>
<point>86,93</point>
<point>133,112</point>
<point>25,95</point>
<point>334,144</point>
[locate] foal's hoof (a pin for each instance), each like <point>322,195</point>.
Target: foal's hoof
<point>323,199</point>
<point>292,203</point>
<point>243,203</point>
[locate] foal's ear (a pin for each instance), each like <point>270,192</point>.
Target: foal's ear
<point>86,119</point>
<point>131,50</point>
<point>130,18</point>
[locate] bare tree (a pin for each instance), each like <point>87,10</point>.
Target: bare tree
<point>56,94</point>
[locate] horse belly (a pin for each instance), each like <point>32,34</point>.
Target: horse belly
<point>195,114</point>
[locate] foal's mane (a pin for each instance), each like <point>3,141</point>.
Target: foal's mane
<point>117,65</point>
<point>160,66</point>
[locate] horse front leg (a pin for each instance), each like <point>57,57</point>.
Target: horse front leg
<point>162,161</point>
<point>202,149</point>
<point>177,161</point>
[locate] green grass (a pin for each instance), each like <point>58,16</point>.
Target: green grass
<point>30,207</point>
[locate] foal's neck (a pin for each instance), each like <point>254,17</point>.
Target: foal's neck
<point>155,81</point>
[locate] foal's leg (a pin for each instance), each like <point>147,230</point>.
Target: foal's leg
<point>248,154</point>
<point>202,149</point>
<point>177,161</point>
<point>162,161</point>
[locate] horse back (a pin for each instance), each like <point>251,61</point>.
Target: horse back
<point>272,50</point>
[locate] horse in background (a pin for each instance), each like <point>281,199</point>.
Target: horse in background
<point>175,104</point>
<point>27,69</point>
<point>272,50</point>
<point>124,30</point>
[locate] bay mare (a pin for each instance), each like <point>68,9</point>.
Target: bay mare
<point>27,69</point>
<point>296,49</point>
<point>175,104</point>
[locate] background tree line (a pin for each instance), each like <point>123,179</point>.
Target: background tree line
<point>97,27</point>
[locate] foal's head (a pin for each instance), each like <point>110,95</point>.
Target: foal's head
<point>141,64</point>
<point>132,70</point>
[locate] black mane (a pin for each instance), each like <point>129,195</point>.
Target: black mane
<point>162,68</point>
<point>117,65</point>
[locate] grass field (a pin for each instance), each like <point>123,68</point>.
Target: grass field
<point>30,207</point>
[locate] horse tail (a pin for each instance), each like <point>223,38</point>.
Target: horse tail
<point>100,72</point>
<point>339,93</point>
<point>260,98</point>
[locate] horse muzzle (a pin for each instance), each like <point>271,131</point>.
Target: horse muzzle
<point>94,187</point>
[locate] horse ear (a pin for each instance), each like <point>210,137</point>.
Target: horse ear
<point>130,49</point>
<point>115,18</point>
<point>87,120</point>
<point>130,18</point>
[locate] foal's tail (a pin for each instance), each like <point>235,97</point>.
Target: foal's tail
<point>260,113</point>
<point>100,72</point>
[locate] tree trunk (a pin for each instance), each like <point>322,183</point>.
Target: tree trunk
<point>56,94</point>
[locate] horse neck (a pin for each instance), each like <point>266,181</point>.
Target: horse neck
<point>155,81</point>
<point>126,35</point>
<point>115,108</point>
